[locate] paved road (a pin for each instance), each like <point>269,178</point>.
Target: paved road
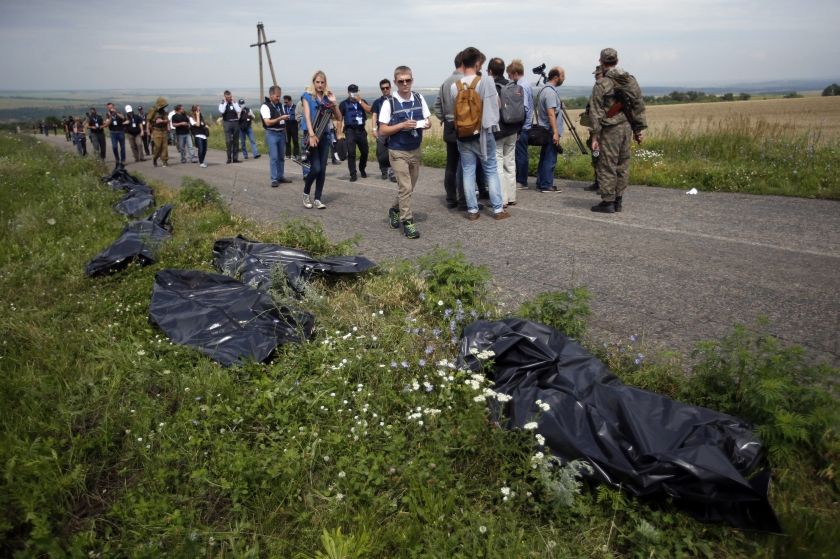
<point>672,268</point>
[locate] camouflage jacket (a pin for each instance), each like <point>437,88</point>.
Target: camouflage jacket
<point>617,86</point>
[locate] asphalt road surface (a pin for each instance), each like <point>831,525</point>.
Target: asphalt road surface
<point>671,268</point>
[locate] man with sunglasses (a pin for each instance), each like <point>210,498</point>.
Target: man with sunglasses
<point>402,120</point>
<point>381,146</point>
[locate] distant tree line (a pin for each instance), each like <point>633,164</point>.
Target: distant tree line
<point>833,89</point>
<point>672,98</point>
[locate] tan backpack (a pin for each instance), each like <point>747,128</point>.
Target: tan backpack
<point>468,109</point>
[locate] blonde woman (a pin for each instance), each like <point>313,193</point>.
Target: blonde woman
<point>317,96</point>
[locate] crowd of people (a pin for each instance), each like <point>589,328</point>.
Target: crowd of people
<point>489,121</point>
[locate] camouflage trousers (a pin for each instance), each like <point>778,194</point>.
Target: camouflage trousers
<point>613,167</point>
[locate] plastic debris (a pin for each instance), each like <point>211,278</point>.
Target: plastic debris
<point>693,191</point>
<point>253,263</point>
<point>642,442</point>
<point>223,318</point>
<point>139,241</point>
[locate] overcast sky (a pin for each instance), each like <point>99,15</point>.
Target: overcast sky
<point>99,44</point>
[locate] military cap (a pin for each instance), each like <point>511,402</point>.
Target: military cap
<point>609,56</point>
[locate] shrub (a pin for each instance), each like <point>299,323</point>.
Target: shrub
<point>792,402</point>
<point>196,193</point>
<point>563,310</point>
<point>449,277</point>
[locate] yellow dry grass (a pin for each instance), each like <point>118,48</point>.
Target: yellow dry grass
<point>814,115</point>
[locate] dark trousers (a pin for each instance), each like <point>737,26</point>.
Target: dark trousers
<point>118,146</point>
<point>292,138</point>
<point>201,145</point>
<point>382,154</point>
<point>522,157</point>
<point>453,182</point>
<point>97,144</point>
<point>317,167</point>
<point>231,128</point>
<point>356,137</point>
<point>147,140</point>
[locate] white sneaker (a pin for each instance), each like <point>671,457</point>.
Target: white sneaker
<point>307,202</point>
<point>320,205</point>
<point>204,165</point>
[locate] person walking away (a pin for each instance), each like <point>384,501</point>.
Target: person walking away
<point>402,120</point>
<point>292,143</point>
<point>181,124</point>
<point>96,128</point>
<point>354,110</point>
<point>134,128</point>
<point>516,73</point>
<point>275,119</point>
<point>617,110</point>
<point>230,121</point>
<point>146,134</point>
<point>476,120</point>
<point>444,109</point>
<point>549,110</point>
<point>381,145</point>
<point>511,118</point>
<point>317,97</point>
<point>78,131</point>
<point>246,130</point>
<point>160,131</point>
<point>199,131</point>
<point>586,121</point>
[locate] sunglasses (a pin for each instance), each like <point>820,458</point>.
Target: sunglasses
<point>385,88</point>
<point>405,82</point>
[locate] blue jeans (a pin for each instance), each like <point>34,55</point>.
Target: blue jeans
<point>249,134</point>
<point>545,168</point>
<point>317,166</point>
<point>185,146</point>
<point>522,157</point>
<point>470,152</point>
<point>201,146</point>
<point>276,140</point>
<point>118,142</point>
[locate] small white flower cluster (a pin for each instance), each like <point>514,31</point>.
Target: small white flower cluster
<point>542,405</point>
<point>419,412</point>
<point>507,493</point>
<point>482,355</point>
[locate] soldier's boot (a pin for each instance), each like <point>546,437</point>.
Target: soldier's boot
<point>618,203</point>
<point>604,207</point>
<point>593,187</point>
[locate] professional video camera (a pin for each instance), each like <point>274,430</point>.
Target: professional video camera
<point>539,70</point>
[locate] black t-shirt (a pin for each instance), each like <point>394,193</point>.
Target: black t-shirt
<point>178,118</point>
<point>133,123</point>
<point>117,123</point>
<point>95,123</point>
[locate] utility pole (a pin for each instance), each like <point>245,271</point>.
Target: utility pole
<point>263,42</point>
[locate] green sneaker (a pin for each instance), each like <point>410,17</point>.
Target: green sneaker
<point>410,230</point>
<point>394,218</point>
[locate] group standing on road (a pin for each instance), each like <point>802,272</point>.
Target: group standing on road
<point>489,121</point>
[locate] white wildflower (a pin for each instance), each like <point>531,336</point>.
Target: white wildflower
<point>530,426</point>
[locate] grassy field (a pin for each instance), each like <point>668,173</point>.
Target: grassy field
<point>362,443</point>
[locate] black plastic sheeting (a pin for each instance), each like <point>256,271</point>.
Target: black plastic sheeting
<point>223,318</point>
<point>139,197</point>
<point>139,241</point>
<point>253,262</point>
<point>643,442</point>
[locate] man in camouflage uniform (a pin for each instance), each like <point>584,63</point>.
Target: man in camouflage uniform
<point>586,120</point>
<point>159,123</point>
<point>617,111</point>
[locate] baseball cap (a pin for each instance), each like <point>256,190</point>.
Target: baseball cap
<point>609,56</point>
<point>352,88</point>
<point>140,108</point>
<point>128,108</point>
<point>242,101</point>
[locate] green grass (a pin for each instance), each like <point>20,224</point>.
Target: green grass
<point>729,156</point>
<point>363,442</point>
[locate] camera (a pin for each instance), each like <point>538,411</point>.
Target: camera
<point>539,69</point>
